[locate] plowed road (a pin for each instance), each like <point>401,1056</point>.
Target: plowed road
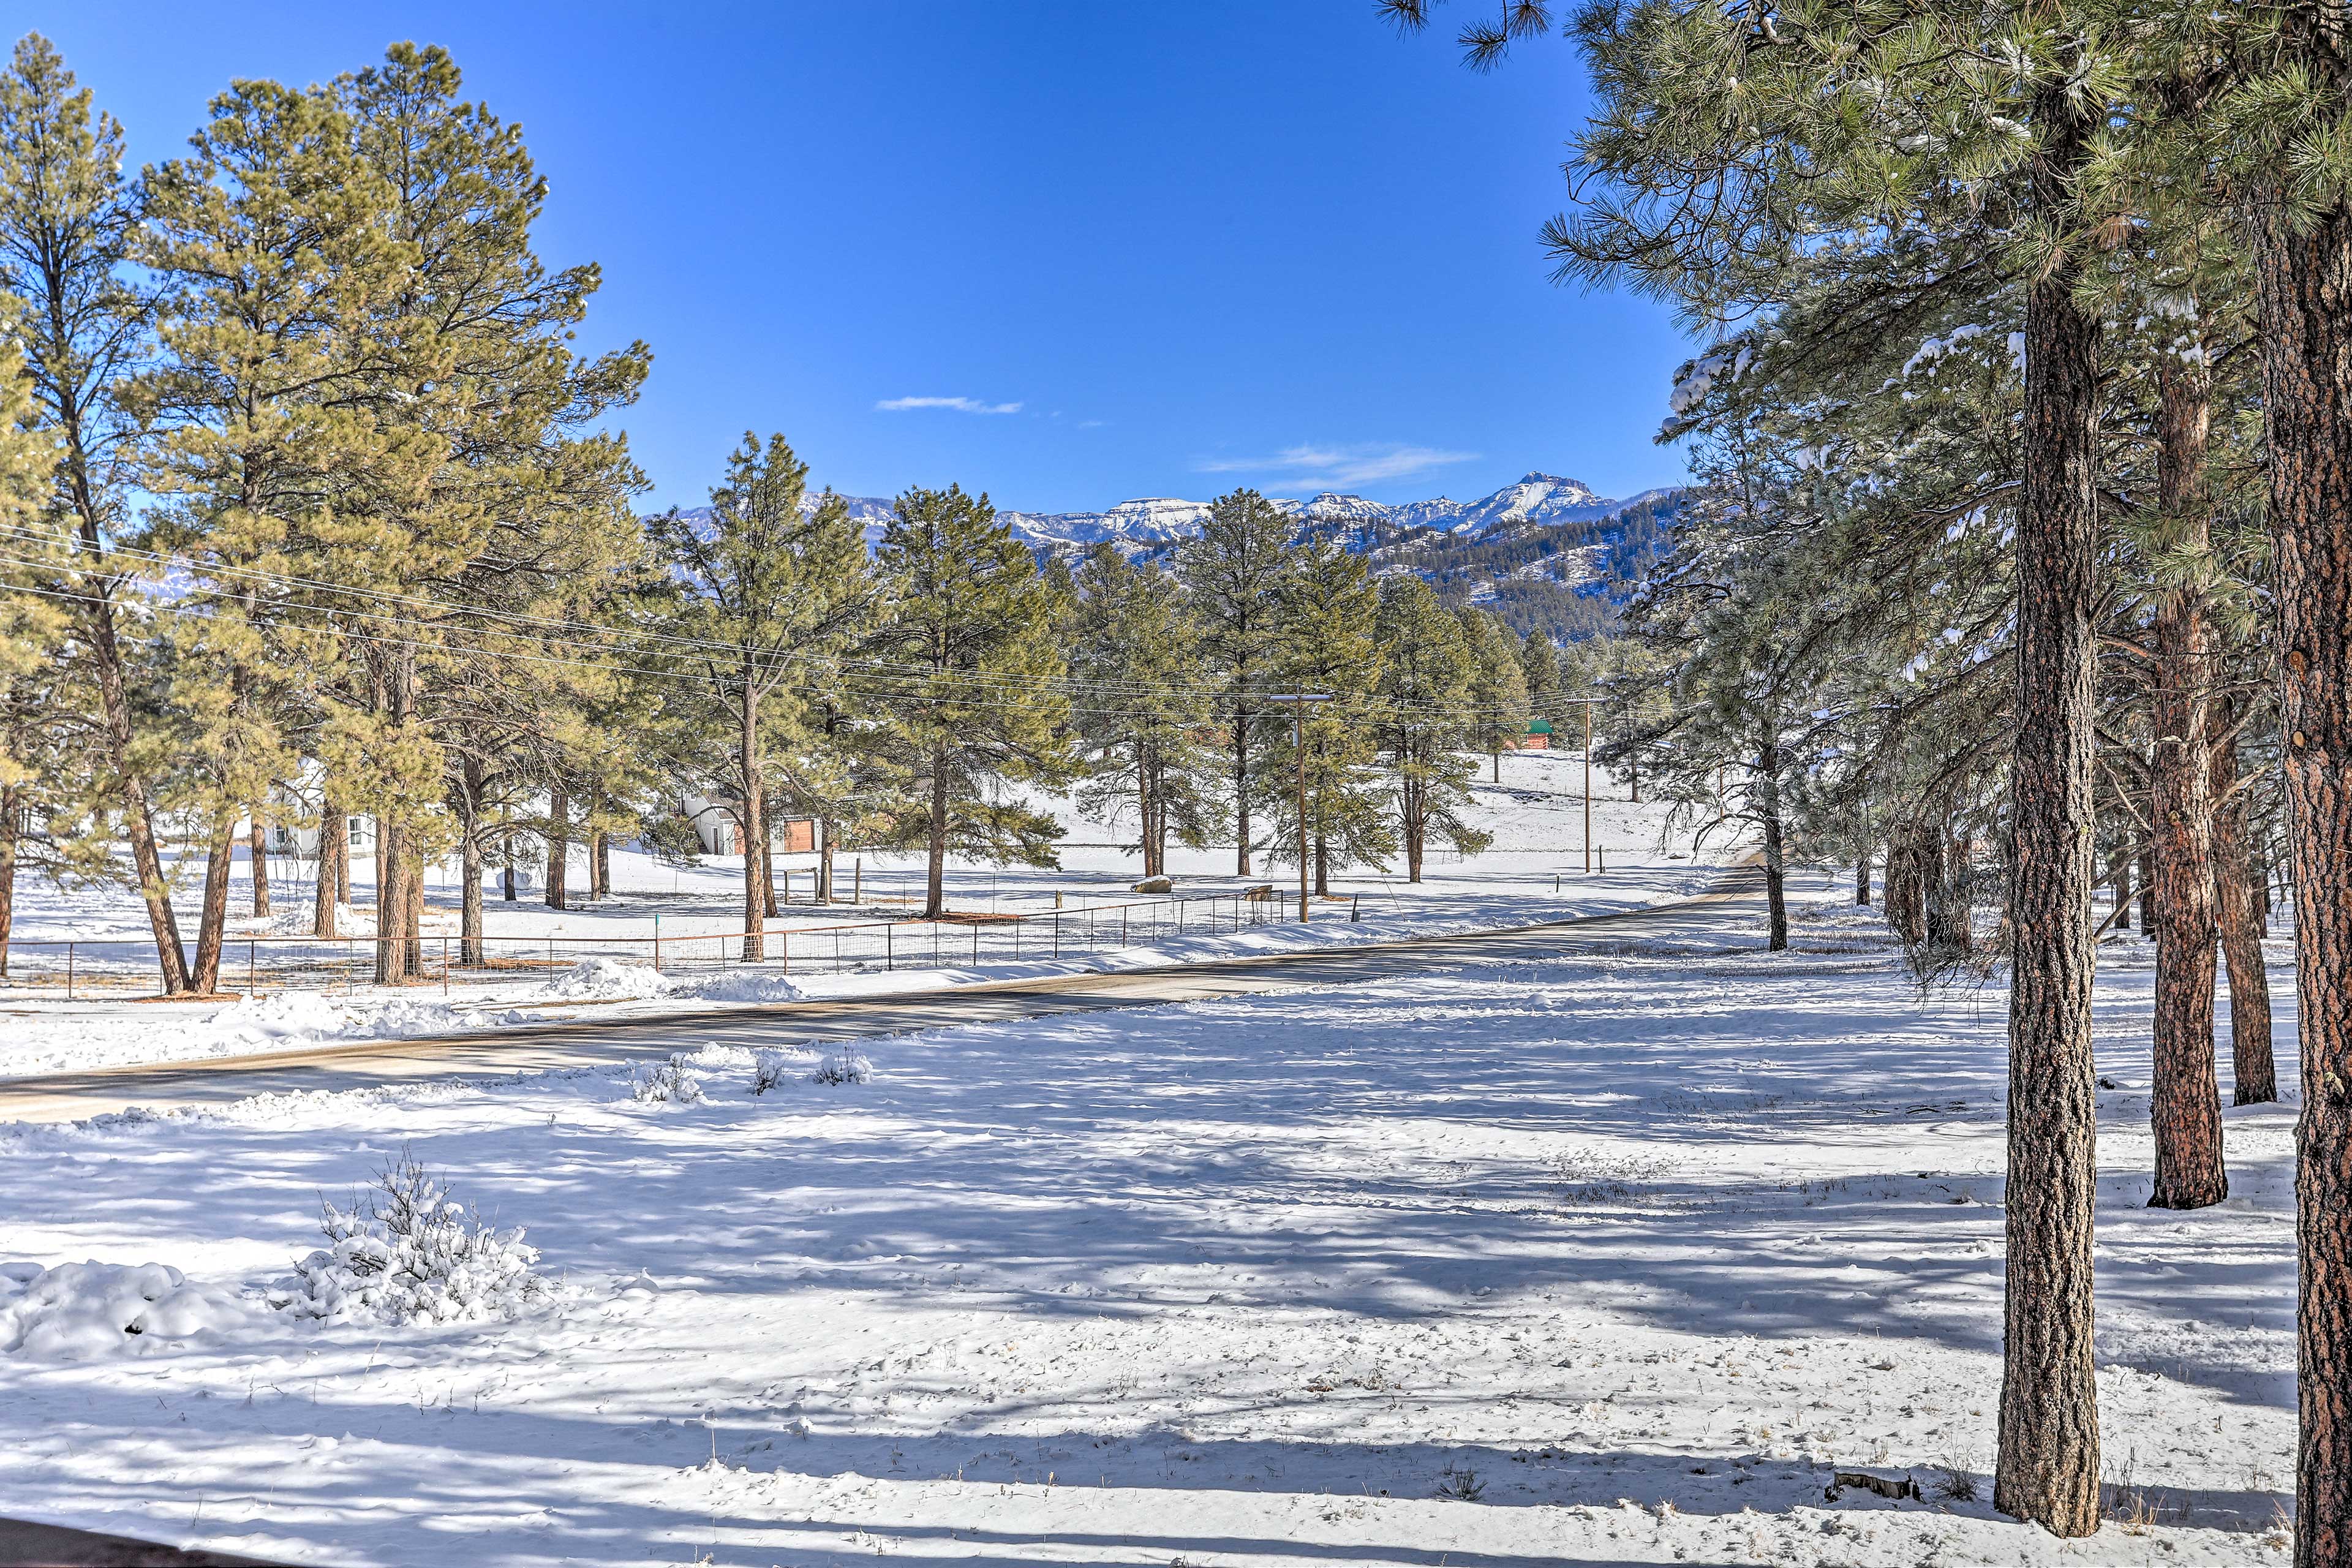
<point>1737,904</point>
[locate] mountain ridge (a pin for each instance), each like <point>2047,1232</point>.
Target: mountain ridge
<point>1544,552</point>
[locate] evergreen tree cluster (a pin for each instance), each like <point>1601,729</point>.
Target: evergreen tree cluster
<point>317,521</point>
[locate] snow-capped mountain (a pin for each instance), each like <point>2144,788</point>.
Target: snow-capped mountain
<point>1542,499</point>
<point>1538,499</point>
<point>1546,552</point>
<point>1131,524</point>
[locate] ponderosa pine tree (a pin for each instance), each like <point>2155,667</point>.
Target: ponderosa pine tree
<point>767,588</point>
<point>1879,116</point>
<point>1141,698</point>
<point>523,519</point>
<point>1327,644</point>
<point>272,244</point>
<point>1427,671</point>
<point>1539,668</point>
<point>67,219</point>
<point>2276,130</point>
<point>970,680</point>
<point>1234,570</point>
<point>1500,693</point>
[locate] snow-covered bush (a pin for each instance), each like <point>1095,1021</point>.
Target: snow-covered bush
<point>849,1065</point>
<point>673,1082</point>
<point>405,1252</point>
<point>79,1309</point>
<point>772,1067</point>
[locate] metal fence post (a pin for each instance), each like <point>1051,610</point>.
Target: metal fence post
<point>445,966</point>
<point>890,945</point>
<point>252,966</point>
<point>69,961</point>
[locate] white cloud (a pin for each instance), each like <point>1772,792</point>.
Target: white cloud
<point>1339,466</point>
<point>961,405</point>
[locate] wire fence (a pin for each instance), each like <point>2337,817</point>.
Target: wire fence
<point>124,968</point>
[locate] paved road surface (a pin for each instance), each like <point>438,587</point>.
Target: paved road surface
<point>1736,905</point>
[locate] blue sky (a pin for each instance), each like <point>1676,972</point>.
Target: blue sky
<point>1065,253</point>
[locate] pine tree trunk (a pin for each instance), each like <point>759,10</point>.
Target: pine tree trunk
<point>114,711</point>
<point>205,971</point>
<point>2303,274</point>
<point>1861,877</point>
<point>2237,886</point>
<point>754,824</point>
<point>343,864</point>
<point>824,860</point>
<point>2184,1107</point>
<point>1775,868</point>
<point>469,851</point>
<point>1948,914</point>
<point>257,851</point>
<point>2119,877</point>
<point>2148,924</point>
<point>391,903</point>
<point>767,864</point>
<point>1906,881</point>
<point>1159,827</point>
<point>11,829</point>
<point>412,911</point>
<point>2048,1466</point>
<point>334,844</point>
<point>934,902</point>
<point>1241,793</point>
<point>558,845</point>
<point>1143,807</point>
<point>1413,826</point>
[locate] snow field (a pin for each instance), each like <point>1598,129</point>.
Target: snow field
<point>1601,1260</point>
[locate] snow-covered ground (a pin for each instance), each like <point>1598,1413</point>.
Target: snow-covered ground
<point>1533,872</point>
<point>1610,1260</point>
